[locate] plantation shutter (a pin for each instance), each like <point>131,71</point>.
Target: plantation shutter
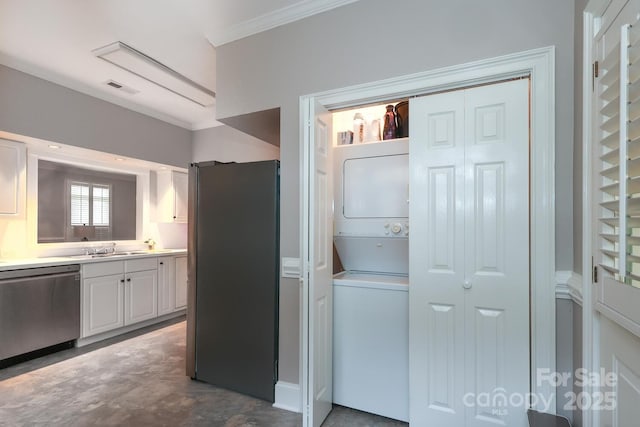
<point>609,137</point>
<point>631,76</point>
<point>619,114</point>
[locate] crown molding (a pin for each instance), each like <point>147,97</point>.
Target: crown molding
<point>276,18</point>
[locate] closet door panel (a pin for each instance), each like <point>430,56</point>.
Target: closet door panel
<point>437,260</point>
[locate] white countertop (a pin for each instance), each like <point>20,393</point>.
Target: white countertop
<point>14,264</point>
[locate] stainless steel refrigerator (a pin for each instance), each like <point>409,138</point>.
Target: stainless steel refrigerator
<point>232,313</point>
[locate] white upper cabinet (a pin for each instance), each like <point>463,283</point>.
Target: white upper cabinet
<point>12,177</point>
<point>172,195</point>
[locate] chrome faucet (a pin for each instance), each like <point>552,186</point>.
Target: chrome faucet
<point>103,250</point>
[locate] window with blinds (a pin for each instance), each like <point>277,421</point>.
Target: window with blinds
<point>90,205</point>
<point>101,205</point>
<point>619,111</point>
<point>79,204</point>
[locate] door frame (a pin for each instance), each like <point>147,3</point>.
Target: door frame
<point>539,64</point>
<point>591,17</point>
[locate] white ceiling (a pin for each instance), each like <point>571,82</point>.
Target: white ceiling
<point>53,39</point>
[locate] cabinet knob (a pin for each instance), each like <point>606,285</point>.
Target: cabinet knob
<point>162,263</point>
<point>121,280</point>
<point>129,279</point>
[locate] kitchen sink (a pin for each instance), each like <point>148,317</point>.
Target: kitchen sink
<point>108,255</point>
<point>119,254</point>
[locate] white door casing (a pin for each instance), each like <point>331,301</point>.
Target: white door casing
<point>539,65</point>
<point>320,374</point>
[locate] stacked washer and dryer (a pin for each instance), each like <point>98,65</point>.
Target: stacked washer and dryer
<point>371,297</point>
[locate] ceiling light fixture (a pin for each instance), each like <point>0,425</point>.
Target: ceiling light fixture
<point>54,146</point>
<point>136,62</point>
<point>120,159</point>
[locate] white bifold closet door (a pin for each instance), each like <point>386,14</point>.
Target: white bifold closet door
<point>320,377</point>
<point>469,257</point>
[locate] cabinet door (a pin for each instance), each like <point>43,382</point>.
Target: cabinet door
<point>102,304</point>
<point>166,285</point>
<point>141,296</point>
<point>180,189</point>
<point>171,196</point>
<point>181,283</point>
<point>12,178</point>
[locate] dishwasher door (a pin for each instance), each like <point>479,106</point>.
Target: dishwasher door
<point>39,307</point>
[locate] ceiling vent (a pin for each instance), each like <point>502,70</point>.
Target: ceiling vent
<point>114,84</point>
<point>136,62</point>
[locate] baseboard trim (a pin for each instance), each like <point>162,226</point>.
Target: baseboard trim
<point>288,397</point>
<point>575,288</point>
<point>114,333</point>
<point>569,286</point>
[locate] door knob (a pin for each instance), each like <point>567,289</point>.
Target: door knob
<point>466,284</point>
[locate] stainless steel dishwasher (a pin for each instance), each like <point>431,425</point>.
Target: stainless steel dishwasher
<point>39,308</point>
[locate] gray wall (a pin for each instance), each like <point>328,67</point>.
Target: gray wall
<point>577,357</point>
<point>37,108</point>
<point>226,144</point>
<point>577,136</point>
<point>568,355</point>
<point>564,351</point>
<point>377,39</point>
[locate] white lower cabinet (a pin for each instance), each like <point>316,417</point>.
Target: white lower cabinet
<point>166,285</point>
<point>172,284</point>
<point>181,282</point>
<point>103,304</point>
<point>117,294</point>
<point>140,296</point>
<point>126,292</point>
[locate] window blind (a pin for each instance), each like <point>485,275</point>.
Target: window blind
<point>101,205</point>
<point>79,204</point>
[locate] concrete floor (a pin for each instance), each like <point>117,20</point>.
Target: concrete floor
<point>137,380</point>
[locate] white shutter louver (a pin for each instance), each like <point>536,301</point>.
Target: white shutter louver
<point>609,137</point>
<point>631,187</point>
<point>619,116</point>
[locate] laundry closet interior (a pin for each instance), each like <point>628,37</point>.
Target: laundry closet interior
<point>432,225</point>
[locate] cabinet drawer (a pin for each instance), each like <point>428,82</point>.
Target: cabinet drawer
<point>141,264</point>
<point>103,268</point>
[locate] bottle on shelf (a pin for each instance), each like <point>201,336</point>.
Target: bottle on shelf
<point>358,128</point>
<point>373,130</point>
<point>390,123</point>
<point>402,119</point>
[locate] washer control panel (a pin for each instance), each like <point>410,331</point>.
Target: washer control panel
<point>396,228</point>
